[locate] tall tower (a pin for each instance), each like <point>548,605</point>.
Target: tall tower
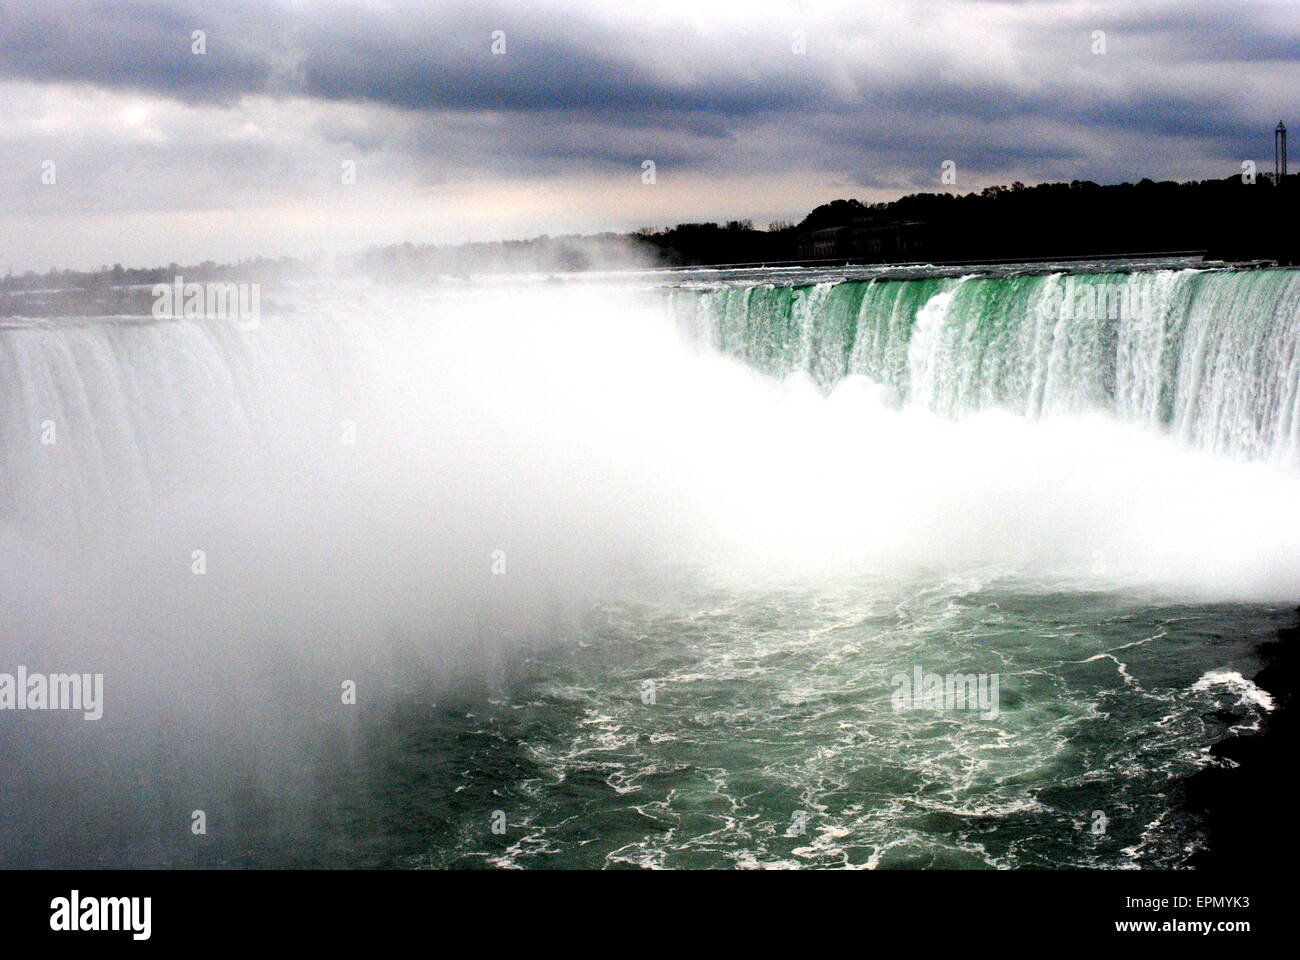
<point>1279,152</point>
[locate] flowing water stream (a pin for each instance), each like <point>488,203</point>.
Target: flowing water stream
<point>634,571</point>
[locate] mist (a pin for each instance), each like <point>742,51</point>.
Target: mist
<point>404,492</point>
<point>352,474</point>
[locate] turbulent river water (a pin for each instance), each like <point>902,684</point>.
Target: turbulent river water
<point>642,570</point>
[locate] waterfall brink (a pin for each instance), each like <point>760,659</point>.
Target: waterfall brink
<point>491,512</point>
<point>1212,357</point>
<point>574,423</point>
<point>113,416</point>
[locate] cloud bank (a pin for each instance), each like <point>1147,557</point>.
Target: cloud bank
<point>497,119</point>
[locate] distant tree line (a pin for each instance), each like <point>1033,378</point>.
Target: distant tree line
<point>1228,219</point>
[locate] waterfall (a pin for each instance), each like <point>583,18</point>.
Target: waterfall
<point>494,511</point>
<point>1211,356</point>
<point>488,413</point>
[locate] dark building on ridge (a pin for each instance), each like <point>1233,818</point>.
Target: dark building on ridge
<point>866,239</point>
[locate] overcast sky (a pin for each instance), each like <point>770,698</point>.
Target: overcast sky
<point>754,109</point>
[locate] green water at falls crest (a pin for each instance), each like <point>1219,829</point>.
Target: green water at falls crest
<point>1212,356</point>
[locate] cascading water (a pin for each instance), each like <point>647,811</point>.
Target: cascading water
<point>1212,356</point>
<point>647,600</point>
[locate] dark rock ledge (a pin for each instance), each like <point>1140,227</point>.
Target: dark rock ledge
<point>1249,811</point>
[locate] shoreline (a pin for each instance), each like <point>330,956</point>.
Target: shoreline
<point>1242,807</point>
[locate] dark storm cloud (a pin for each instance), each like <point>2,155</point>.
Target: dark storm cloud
<point>142,45</point>
<point>570,66</point>
<point>551,65</point>
<point>403,54</point>
<point>739,121</point>
<point>1214,31</point>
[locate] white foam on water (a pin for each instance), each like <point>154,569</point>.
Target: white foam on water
<point>1247,692</point>
<point>573,429</point>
